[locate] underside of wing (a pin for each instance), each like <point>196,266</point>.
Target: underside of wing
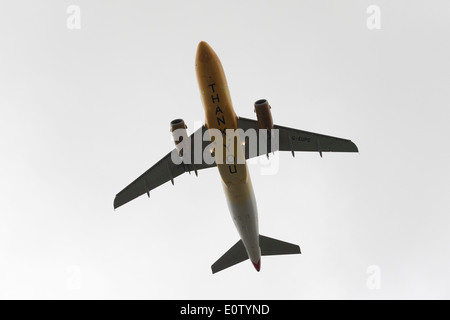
<point>163,171</point>
<point>289,139</point>
<point>299,140</point>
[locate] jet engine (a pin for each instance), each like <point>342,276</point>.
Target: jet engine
<point>179,134</point>
<point>263,114</point>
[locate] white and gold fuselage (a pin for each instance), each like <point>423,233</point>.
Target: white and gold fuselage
<point>232,167</point>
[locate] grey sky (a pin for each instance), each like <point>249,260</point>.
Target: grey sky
<point>84,112</point>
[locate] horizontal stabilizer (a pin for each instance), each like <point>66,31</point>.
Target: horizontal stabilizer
<point>271,247</point>
<point>268,246</point>
<point>235,255</point>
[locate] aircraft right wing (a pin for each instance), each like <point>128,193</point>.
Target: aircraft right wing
<point>298,140</point>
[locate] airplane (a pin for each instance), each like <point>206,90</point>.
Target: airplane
<point>236,181</point>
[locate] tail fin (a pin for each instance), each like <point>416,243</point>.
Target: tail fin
<point>268,246</point>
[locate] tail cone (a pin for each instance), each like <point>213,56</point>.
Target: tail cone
<point>257,265</point>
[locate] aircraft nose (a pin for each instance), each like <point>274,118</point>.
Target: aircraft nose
<point>204,52</point>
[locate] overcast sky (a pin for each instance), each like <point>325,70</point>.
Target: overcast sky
<point>85,107</point>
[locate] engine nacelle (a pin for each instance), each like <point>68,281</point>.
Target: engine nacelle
<point>263,114</point>
<point>179,134</point>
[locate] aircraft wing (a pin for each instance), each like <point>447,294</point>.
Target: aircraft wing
<point>298,140</point>
<point>163,171</point>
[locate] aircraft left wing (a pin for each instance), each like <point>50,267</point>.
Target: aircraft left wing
<point>163,171</point>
